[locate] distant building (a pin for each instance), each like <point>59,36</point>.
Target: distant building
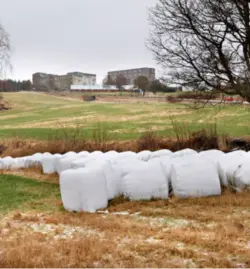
<point>78,78</point>
<point>132,74</point>
<point>43,81</point>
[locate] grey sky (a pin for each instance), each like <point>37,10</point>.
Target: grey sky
<point>60,36</point>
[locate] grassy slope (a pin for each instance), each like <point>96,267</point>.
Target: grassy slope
<point>34,114</point>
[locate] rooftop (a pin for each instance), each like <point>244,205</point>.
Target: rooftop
<point>125,70</point>
<point>80,74</point>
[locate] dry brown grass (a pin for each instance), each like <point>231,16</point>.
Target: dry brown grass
<point>208,232</point>
<point>203,139</point>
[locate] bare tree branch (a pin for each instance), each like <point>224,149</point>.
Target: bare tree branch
<point>4,51</point>
<point>203,42</point>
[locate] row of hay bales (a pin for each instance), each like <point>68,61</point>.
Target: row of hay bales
<point>89,180</point>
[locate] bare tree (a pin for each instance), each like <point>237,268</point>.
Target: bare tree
<point>203,43</point>
<point>4,51</point>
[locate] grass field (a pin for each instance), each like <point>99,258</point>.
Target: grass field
<point>40,116</point>
<point>208,232</point>
<point>23,193</point>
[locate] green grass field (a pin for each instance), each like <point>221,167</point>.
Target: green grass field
<point>41,116</point>
<point>19,193</point>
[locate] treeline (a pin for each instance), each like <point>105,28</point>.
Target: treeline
<point>157,86</point>
<point>142,83</point>
<point>15,85</point>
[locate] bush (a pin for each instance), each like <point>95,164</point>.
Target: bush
<point>198,95</point>
<point>148,141</point>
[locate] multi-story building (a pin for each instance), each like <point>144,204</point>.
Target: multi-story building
<point>78,78</point>
<point>132,74</point>
<point>43,81</point>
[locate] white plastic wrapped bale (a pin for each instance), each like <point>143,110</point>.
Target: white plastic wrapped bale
<point>195,177</point>
<point>120,168</point>
<point>95,154</point>
<point>83,190</point>
<point>126,154</point>
<point>33,160</point>
<point>229,163</point>
<point>240,179</point>
<point>110,155</point>
<point>166,163</point>
<point>112,175</point>
<point>215,156</point>
<point>145,181</point>
<point>161,153</point>
<point>87,162</point>
<point>212,154</point>
<point>18,163</point>
<point>144,155</point>
<point>49,163</point>
<point>232,180</point>
<point>183,153</point>
<point>1,164</point>
<point>78,163</point>
<point>69,154</point>
<point>114,180</point>
<point>126,162</point>
<point>83,154</point>
<point>7,163</point>
<point>45,154</point>
<point>65,164</point>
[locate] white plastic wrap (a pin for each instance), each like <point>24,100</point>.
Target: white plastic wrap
<point>83,190</point>
<point>229,163</point>
<point>87,162</point>
<point>69,154</point>
<point>49,163</point>
<point>34,160</point>
<point>83,154</point>
<point>18,163</point>
<point>7,162</point>
<point>166,163</point>
<point>145,181</point>
<point>95,154</point>
<point>111,154</point>
<point>161,153</point>
<point>126,154</point>
<point>114,180</point>
<point>240,179</point>
<point>215,156</point>
<point>144,155</point>
<point>112,175</point>
<point>65,163</point>
<point>1,164</point>
<point>183,153</point>
<point>195,177</point>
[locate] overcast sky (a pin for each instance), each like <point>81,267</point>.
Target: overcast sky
<point>59,36</point>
